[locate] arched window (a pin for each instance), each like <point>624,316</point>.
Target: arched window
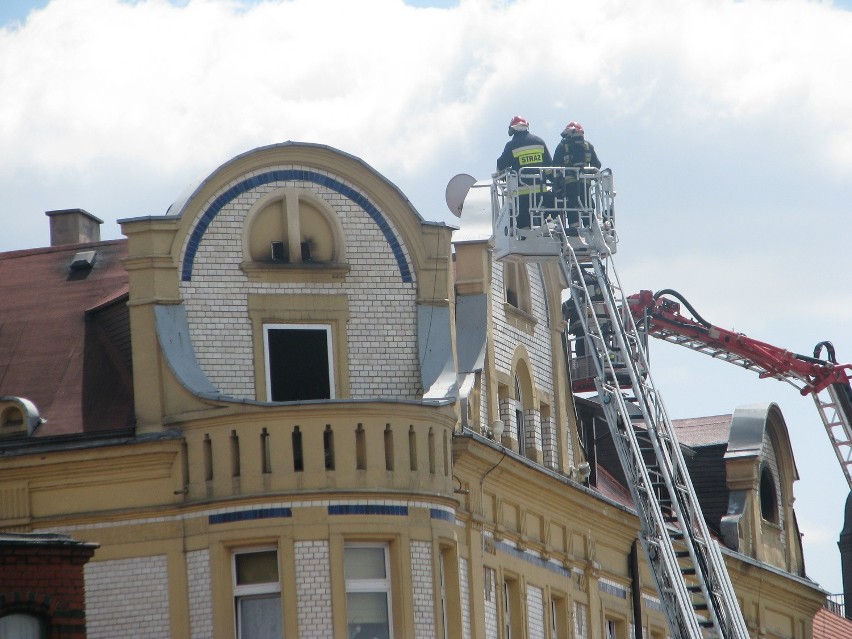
<point>519,416</point>
<point>22,626</point>
<point>768,496</point>
<point>293,227</point>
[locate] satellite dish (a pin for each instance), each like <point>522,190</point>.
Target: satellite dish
<point>457,189</point>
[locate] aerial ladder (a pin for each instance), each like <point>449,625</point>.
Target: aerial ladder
<point>826,381</point>
<point>686,563</point>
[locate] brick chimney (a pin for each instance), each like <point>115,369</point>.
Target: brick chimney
<point>73,226</point>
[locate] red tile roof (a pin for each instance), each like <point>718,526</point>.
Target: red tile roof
<point>608,486</point>
<point>828,625</point>
<point>703,431</point>
<point>52,351</point>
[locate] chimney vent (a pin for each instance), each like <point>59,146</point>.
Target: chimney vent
<point>73,226</point>
<point>83,261</point>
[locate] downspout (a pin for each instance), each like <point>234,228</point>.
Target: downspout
<point>636,590</point>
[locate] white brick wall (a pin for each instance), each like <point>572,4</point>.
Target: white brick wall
<point>464,591</point>
<point>507,414</point>
<point>128,598</point>
<point>383,359</point>
<point>532,429</point>
<point>507,337</point>
<point>422,582</point>
<point>535,612</point>
<point>200,598</point>
<point>313,589</point>
<point>549,443</point>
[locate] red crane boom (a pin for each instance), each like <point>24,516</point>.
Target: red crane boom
<point>824,379</point>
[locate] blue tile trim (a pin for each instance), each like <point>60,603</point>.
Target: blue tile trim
<point>612,590</point>
<point>653,605</point>
<point>249,515</point>
<point>437,513</point>
<point>281,176</point>
<point>367,509</point>
<point>538,561</point>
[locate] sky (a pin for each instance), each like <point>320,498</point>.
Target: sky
<point>726,123</point>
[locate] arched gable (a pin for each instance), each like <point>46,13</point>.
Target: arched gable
<point>312,164</point>
<point>760,472</point>
<point>300,246</point>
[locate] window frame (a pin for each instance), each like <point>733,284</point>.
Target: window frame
<point>442,576</point>
<point>384,585</point>
<point>520,415</point>
<point>581,620</point>
<point>614,628</point>
<point>329,333</point>
<point>558,616</point>
<point>297,308</point>
<point>266,590</point>
<point>507,610</point>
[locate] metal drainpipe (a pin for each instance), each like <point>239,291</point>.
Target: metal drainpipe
<point>636,590</point>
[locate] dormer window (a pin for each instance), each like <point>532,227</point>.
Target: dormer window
<point>11,418</point>
<point>517,286</point>
<point>299,343</point>
<point>18,417</point>
<point>517,298</point>
<point>299,362</point>
<point>768,496</point>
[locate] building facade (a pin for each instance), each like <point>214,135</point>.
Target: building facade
<point>292,407</point>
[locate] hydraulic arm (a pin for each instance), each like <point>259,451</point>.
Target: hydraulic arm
<point>823,379</point>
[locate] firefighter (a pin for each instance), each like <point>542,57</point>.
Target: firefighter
<point>574,152</point>
<point>522,151</point>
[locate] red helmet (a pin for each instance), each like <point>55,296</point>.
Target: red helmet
<point>519,124</point>
<point>572,129</point>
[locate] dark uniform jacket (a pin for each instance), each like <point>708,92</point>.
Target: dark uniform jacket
<point>524,149</point>
<point>575,152</point>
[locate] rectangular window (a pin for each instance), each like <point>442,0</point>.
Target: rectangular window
<point>257,594</point>
<point>513,617</point>
<point>614,629</point>
<point>368,591</point>
<point>507,611</point>
<point>299,362</point>
<point>558,617</point>
<point>444,613</point>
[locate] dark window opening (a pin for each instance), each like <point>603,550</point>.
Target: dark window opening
<point>328,447</point>
<point>306,251</point>
<point>512,297</point>
<point>298,459</point>
<point>768,499</point>
<point>298,363</point>
<point>279,251</point>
